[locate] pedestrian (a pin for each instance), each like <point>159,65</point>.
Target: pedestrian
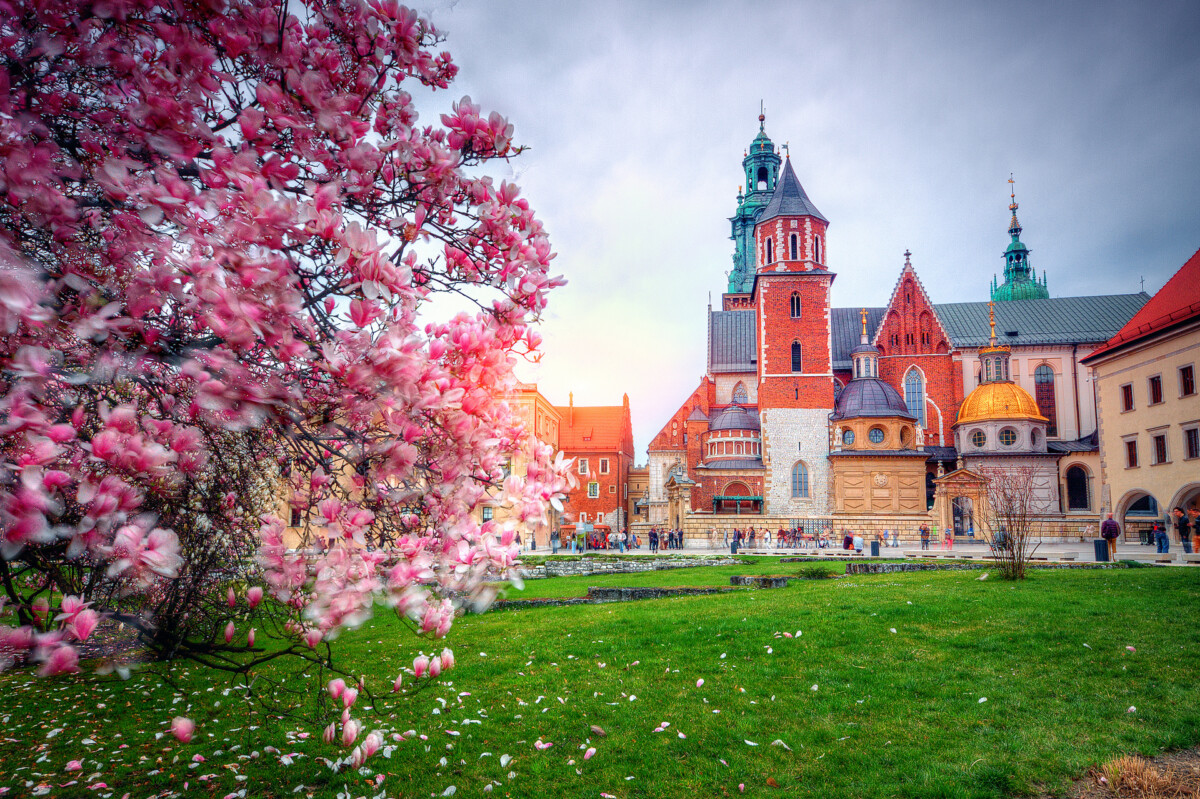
<point>680,539</point>
<point>924,535</point>
<point>1183,529</point>
<point>752,538</point>
<point>895,538</point>
<point>847,540</point>
<point>554,538</point>
<point>948,541</point>
<point>1109,531</point>
<point>858,544</point>
<point>1162,541</point>
<point>518,540</point>
<point>1194,517</point>
<point>653,538</point>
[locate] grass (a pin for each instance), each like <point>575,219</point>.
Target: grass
<point>893,714</point>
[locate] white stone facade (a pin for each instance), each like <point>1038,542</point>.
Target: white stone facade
<point>790,435</point>
<point>727,381</point>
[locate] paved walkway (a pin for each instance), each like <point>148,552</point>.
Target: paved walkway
<point>1082,552</point>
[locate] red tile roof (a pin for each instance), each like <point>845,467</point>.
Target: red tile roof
<point>1176,302</point>
<point>604,428</point>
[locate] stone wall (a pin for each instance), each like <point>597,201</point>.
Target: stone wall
<point>602,564</point>
<point>790,435</point>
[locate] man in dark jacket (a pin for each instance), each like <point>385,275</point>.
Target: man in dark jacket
<point>1110,531</point>
<point>1183,529</point>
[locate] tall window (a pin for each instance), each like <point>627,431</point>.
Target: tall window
<point>817,249</point>
<point>593,490</point>
<point>794,246</point>
<point>1043,389</point>
<point>1156,390</point>
<point>797,357</point>
<point>1131,454</point>
<point>1187,381</point>
<point>914,394</point>
<point>740,397</point>
<point>770,251</point>
<point>1160,449</point>
<point>799,481</point>
<point>1191,443</point>
<point>1077,489</point>
<point>488,513</point>
<point>583,465</point>
<point>604,465</point>
<point>1127,397</point>
<point>761,180</point>
<point>796,305</point>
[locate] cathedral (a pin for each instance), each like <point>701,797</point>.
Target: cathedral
<point>879,417</point>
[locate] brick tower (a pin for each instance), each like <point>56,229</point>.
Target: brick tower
<point>795,375</point>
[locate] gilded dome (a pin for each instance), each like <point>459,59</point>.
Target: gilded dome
<point>998,401</point>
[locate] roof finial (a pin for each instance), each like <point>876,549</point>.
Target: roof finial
<point>863,314</point>
<point>992,322</point>
<point>762,116</point>
<point>1014,227</point>
<point>787,150</point>
<point>907,257</point>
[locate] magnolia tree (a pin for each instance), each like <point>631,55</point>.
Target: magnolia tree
<point>1010,516</point>
<point>221,228</point>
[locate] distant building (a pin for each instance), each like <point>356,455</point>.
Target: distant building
<point>811,411</point>
<point>1149,408</point>
<point>600,439</point>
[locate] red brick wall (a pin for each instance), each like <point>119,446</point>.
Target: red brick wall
<point>780,230</point>
<point>671,434</point>
<point>609,500</point>
<point>708,485</point>
<point>736,302</point>
<point>776,387</point>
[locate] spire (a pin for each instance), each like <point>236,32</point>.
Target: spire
<point>863,314</point>
<point>789,198</point>
<point>994,357</point>
<point>1014,227</point>
<point>907,257</point>
<point>992,322</point>
<point>760,167</point>
<point>1020,280</point>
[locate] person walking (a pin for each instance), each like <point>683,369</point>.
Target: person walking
<point>924,536</point>
<point>895,539</point>
<point>1183,529</point>
<point>1162,540</point>
<point>554,538</point>
<point>1110,531</point>
<point>948,541</point>
<point>858,544</point>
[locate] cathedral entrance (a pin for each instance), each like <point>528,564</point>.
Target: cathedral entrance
<point>964,515</point>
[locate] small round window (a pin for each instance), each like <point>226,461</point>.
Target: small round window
<point>848,437</point>
<point>979,438</point>
<point>876,435</point>
<point>1008,436</point>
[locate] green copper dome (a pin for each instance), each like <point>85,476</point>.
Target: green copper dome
<point>1020,281</point>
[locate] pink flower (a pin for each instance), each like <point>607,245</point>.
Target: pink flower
<point>250,637</point>
<point>590,753</point>
<point>83,624</point>
<point>62,659</point>
<point>700,683</point>
<point>336,687</point>
<point>447,659</point>
<point>182,728</point>
<point>349,732</point>
<point>348,697</point>
<point>330,733</point>
<point>254,596</point>
<point>396,684</point>
<point>229,631</point>
<point>420,665</point>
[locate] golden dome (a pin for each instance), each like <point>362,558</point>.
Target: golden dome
<point>998,401</point>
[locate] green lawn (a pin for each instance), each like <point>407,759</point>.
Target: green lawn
<point>893,714</point>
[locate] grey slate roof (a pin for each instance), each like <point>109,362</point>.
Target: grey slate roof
<point>869,396</point>
<point>846,330</point>
<point>735,417</point>
<point>1058,320</point>
<point>1089,443</point>
<point>789,198</point>
<point>731,341</point>
<point>697,415</point>
<point>735,463</point>
<point>941,453</point>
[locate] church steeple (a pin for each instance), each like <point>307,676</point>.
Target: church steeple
<point>761,167</point>
<point>1020,281</point>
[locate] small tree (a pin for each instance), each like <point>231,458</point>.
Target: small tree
<point>1008,518</point>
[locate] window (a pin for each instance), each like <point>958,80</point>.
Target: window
<point>797,357</point>
<point>770,251</point>
<point>612,489</point>
<point>1156,390</point>
<point>583,465</point>
<point>593,490</point>
<point>1160,448</point>
<point>1078,489</point>
<point>582,517</point>
<point>979,439</point>
<point>914,394</point>
<point>1127,397</point>
<point>1187,381</point>
<point>604,462</point>
<point>740,397</point>
<point>297,517</point>
<point>795,305</point>
<point>760,182</point>
<point>1131,454</point>
<point>875,435</point>
<point>1191,443</point>
<point>848,437</point>
<point>1008,436</point>
<point>794,247</point>
<point>488,513</point>
<point>1043,389</point>
<point>799,481</point>
<point>818,256</point>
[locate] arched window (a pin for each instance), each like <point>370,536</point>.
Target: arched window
<point>799,481</point>
<point>797,357</point>
<point>770,251</point>
<point>795,305</point>
<point>1078,489</point>
<point>761,183</point>
<point>794,247</point>
<point>914,394</point>
<point>740,396</point>
<point>1043,391</point>
<point>817,249</point>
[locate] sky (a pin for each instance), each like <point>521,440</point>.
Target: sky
<point>904,121</point>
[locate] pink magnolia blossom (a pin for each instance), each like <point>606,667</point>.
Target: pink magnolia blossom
<point>183,728</point>
<point>253,596</point>
<point>420,666</point>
